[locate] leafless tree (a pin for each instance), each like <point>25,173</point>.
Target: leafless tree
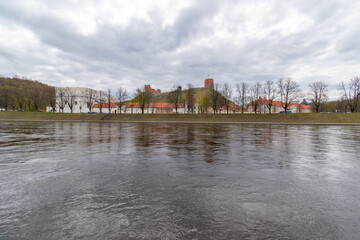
<point>215,97</point>
<point>255,94</point>
<point>61,100</point>
<point>70,98</point>
<point>175,97</point>
<point>122,96</point>
<point>270,92</point>
<point>289,91</point>
<point>190,98</point>
<point>109,99</point>
<point>242,91</point>
<point>318,95</point>
<point>89,97</point>
<point>101,100</point>
<point>352,93</point>
<point>227,92</point>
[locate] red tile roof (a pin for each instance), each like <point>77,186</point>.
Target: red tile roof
<point>105,105</point>
<point>155,105</point>
<point>281,104</point>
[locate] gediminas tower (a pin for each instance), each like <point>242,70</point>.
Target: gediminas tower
<point>209,83</point>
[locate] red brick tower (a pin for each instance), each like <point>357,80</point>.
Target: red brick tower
<point>209,83</point>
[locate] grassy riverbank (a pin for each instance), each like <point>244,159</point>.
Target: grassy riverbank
<point>306,118</point>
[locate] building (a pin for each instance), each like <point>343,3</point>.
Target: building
<point>81,99</point>
<point>278,107</point>
<point>150,90</point>
<point>209,83</point>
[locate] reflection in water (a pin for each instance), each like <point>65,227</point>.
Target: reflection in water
<point>178,181</point>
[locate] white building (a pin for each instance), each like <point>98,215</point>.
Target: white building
<point>80,99</point>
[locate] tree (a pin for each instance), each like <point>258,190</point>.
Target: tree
<point>190,99</point>
<point>242,91</point>
<point>61,98</point>
<point>215,97</point>
<point>101,100</point>
<point>50,97</point>
<point>70,98</point>
<point>89,97</point>
<point>352,93</point>
<point>318,95</point>
<point>12,102</point>
<point>255,93</point>
<point>24,94</point>
<point>20,97</point>
<point>289,91</point>
<point>270,94</point>
<point>122,96</point>
<point>143,97</point>
<point>175,97</point>
<point>37,93</point>
<point>4,98</point>
<point>226,92</point>
<point>109,98</point>
<point>204,103</point>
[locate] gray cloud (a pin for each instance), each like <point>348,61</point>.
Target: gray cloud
<point>230,40</point>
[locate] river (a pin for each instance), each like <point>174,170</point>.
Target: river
<point>64,180</point>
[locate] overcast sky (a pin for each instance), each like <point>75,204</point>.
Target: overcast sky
<point>108,44</point>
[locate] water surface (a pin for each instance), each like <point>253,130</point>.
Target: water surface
<point>66,180</point>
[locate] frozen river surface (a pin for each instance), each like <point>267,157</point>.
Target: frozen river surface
<point>178,181</point>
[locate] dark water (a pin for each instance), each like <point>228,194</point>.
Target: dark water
<point>178,181</point>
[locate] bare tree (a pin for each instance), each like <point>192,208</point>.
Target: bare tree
<point>255,94</point>
<point>61,98</point>
<point>175,97</point>
<point>89,97</point>
<point>101,100</point>
<point>270,94</point>
<point>109,98</point>
<point>190,99</point>
<point>122,96</point>
<point>70,98</point>
<point>227,92</point>
<point>242,91</point>
<point>215,97</point>
<point>352,93</point>
<point>289,91</point>
<point>318,95</point>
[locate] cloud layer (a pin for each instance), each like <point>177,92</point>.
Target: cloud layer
<point>103,45</point>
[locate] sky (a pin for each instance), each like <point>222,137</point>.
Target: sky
<point>110,44</point>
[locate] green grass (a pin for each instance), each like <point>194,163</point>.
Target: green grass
<point>304,118</point>
<point>43,116</point>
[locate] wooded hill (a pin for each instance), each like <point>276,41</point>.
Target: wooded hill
<point>25,94</point>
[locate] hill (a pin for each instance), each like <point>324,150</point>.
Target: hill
<point>25,94</point>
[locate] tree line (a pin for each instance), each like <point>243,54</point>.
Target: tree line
<point>287,91</point>
<point>28,95</point>
<point>24,94</point>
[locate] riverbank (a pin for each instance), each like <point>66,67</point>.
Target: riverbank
<point>305,118</point>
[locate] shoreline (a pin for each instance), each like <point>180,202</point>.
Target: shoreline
<point>184,122</point>
<point>347,119</point>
